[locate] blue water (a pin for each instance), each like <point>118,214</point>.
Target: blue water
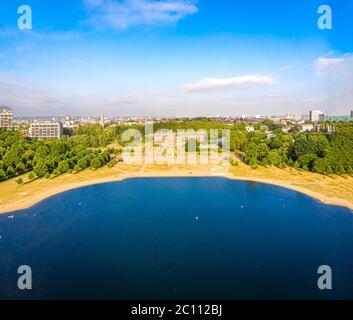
<point>184,238</point>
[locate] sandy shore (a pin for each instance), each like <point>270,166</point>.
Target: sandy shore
<point>29,202</point>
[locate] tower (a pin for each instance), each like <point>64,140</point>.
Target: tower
<point>101,120</point>
<point>315,115</point>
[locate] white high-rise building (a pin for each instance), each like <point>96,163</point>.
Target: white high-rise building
<point>102,120</point>
<point>315,115</point>
<point>46,129</point>
<point>6,118</point>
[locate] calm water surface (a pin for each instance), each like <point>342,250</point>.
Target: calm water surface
<point>188,238</point>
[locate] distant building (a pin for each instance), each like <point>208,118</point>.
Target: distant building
<point>45,129</point>
<point>101,120</point>
<point>352,113</point>
<point>293,116</point>
<point>323,127</point>
<point>324,118</point>
<point>307,127</point>
<point>6,118</point>
<point>315,115</point>
<point>286,129</point>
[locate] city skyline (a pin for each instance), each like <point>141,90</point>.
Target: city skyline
<point>55,117</point>
<point>8,117</point>
<point>175,58</point>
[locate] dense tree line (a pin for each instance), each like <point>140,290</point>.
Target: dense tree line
<point>321,152</point>
<point>311,151</point>
<point>43,158</point>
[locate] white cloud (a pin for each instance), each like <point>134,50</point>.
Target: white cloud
<point>243,82</point>
<point>334,68</point>
<point>128,13</point>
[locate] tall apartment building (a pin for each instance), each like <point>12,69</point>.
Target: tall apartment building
<point>46,129</point>
<point>315,115</point>
<point>6,118</point>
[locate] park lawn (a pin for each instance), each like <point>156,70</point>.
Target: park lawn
<point>332,186</point>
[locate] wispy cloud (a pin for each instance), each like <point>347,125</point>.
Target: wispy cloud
<point>300,65</point>
<point>242,82</point>
<point>334,68</point>
<point>129,13</point>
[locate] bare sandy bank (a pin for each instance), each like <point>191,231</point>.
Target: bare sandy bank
<point>29,202</point>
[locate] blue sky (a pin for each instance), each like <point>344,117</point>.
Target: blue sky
<point>176,57</point>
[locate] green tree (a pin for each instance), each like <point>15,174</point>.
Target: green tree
<point>253,163</point>
<point>342,149</point>
<point>306,161</point>
<point>322,165</point>
<point>40,169</point>
<point>63,167</point>
<point>96,163</point>
<point>274,158</point>
<point>19,181</point>
<point>31,176</point>
<point>20,167</point>
<point>83,163</point>
<point>2,175</point>
<point>10,171</point>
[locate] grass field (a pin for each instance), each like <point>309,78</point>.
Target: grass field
<point>331,186</point>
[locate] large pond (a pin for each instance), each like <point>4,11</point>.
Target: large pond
<point>178,238</point>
